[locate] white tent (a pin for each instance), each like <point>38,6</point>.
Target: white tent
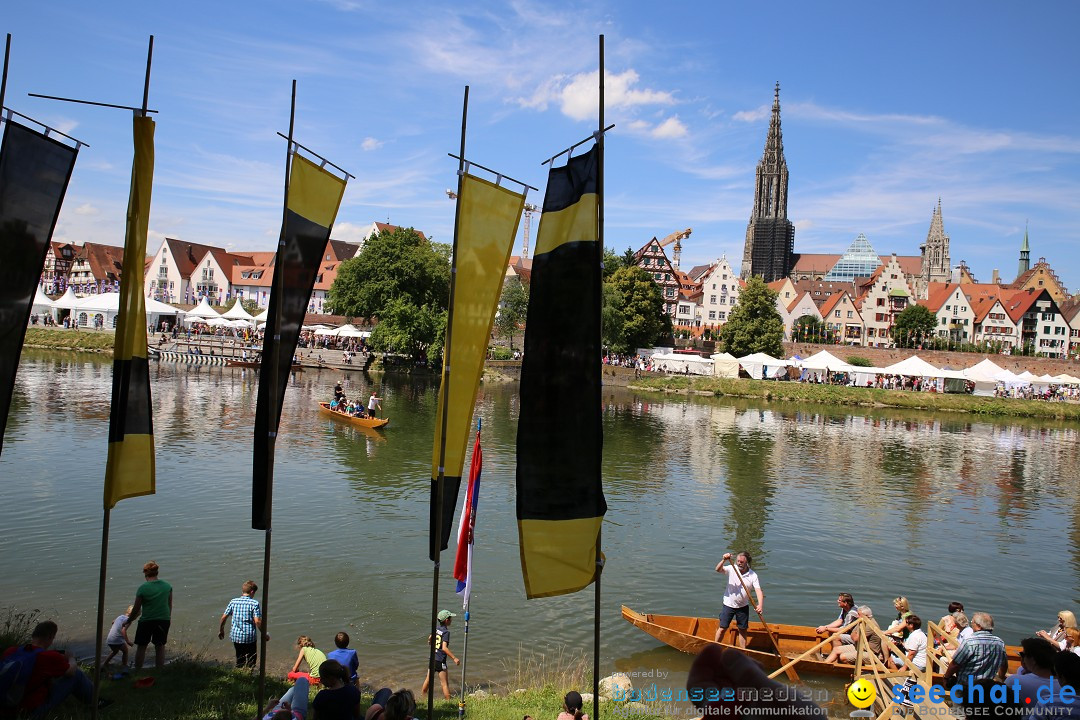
<point>985,375</point>
<point>107,305</point>
<point>1065,379</point>
<point>42,303</point>
<point>202,310</point>
<point>755,363</point>
<point>351,331</point>
<point>682,364</point>
<point>261,317</point>
<point>322,330</point>
<point>915,366</point>
<point>237,312</point>
<point>823,360</point>
<point>67,301</point>
<point>725,365</point>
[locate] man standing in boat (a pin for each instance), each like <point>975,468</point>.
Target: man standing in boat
<point>736,598</point>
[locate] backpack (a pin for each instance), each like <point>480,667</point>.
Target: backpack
<point>15,671</point>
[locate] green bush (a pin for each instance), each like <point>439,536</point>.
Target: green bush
<point>858,361</point>
<point>497,352</point>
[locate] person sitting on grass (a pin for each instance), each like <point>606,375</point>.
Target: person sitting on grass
<point>572,707</point>
<point>312,656</point>
<point>392,706</point>
<point>292,705</point>
<point>52,675</point>
<point>340,700</point>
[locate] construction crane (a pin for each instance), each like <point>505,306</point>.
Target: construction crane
<point>677,238</point>
<point>528,211</point>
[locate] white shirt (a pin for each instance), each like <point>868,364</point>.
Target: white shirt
<point>917,641</point>
<point>735,594</point>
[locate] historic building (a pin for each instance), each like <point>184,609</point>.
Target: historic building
<point>653,260</point>
<point>719,293</point>
<point>770,236</point>
<point>935,252</point>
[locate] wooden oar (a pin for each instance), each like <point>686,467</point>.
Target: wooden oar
<point>791,674</point>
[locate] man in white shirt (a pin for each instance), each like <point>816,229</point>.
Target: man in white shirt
<point>736,600</point>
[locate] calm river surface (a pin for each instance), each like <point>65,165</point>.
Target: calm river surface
<point>826,499</point>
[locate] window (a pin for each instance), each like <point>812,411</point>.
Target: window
<point>837,314</point>
<point>714,284</point>
<point>669,292</point>
<point>850,314</point>
<point>724,277</point>
<point>881,302</point>
<point>712,314</point>
<point>712,299</point>
<point>684,309</point>
<point>722,300</point>
<point>721,315</point>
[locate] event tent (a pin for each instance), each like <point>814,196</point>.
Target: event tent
<point>261,317</point>
<point>107,305</point>
<point>42,303</point>
<point>823,360</point>
<point>682,363</point>
<point>202,311</point>
<point>755,363</point>
<point>67,301</point>
<point>985,375</point>
<point>237,312</point>
<point>351,331</point>
<point>725,365</point>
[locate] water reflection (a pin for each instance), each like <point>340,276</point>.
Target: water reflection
<point>880,503</point>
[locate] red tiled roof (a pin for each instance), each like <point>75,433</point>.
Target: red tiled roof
<point>939,295</point>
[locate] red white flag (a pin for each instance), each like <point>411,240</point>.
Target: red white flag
<point>463,562</point>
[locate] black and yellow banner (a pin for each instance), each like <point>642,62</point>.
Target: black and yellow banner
<point>488,217</point>
<point>560,496</point>
<point>34,174</point>
<point>129,471</point>
<point>313,201</point>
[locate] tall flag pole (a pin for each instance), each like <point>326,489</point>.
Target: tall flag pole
<point>486,220</point>
<point>129,469</point>
<point>312,198</point>
<point>463,562</point>
<point>560,507</point>
<point>34,174</point>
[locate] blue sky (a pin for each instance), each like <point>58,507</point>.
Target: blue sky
<point>885,108</point>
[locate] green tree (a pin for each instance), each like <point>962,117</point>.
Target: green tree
<point>396,264</point>
<point>635,302</point>
<point>755,324</point>
<point>416,331</point>
<point>628,257</point>
<point>513,308</point>
<point>808,328</point>
<point>612,262</point>
<point>913,325</point>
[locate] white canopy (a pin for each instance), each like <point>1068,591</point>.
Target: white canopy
<point>42,301</point>
<point>351,331</point>
<point>823,360</point>
<point>321,330</point>
<point>756,362</point>
<point>261,317</point>
<point>110,303</point>
<point>67,301</point>
<point>683,363</point>
<point>237,312</point>
<point>725,365</point>
<point>1066,379</point>
<point>985,375</point>
<point>915,366</point>
<point>202,310</point>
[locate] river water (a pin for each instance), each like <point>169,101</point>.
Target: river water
<point>826,499</point>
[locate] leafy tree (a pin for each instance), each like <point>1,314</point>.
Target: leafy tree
<point>393,265</point>
<point>416,331</point>
<point>612,262</point>
<point>513,308</point>
<point>859,361</point>
<point>912,325</point>
<point>628,257</point>
<point>754,325</point>
<point>809,328</point>
<point>635,302</point>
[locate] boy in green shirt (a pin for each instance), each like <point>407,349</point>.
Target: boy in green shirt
<point>153,600</point>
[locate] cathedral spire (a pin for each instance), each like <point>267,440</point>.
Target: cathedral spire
<point>770,236</point>
<point>935,251</point>
<point>1025,254</point>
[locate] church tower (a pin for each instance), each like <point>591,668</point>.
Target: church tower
<point>935,251</point>
<point>1025,256</point>
<point>770,236</point>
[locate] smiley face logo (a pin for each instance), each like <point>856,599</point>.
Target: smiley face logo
<point>861,694</point>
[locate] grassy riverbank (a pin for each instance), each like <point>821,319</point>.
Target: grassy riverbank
<point>60,339</point>
<point>866,397</point>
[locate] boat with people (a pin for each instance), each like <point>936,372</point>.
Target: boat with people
<point>365,421</point>
<point>694,634</point>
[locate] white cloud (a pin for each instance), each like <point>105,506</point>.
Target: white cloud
<point>87,209</point>
<point>752,116</point>
<point>371,143</point>
<point>350,232</point>
<point>580,97</point>
<point>670,128</point>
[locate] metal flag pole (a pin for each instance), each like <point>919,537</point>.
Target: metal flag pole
<point>274,402</point>
<point>444,391</point>
<point>600,241</point>
<point>103,569</point>
<point>468,596</point>
<point>3,76</point>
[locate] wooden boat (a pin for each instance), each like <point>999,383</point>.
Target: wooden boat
<point>254,364</point>
<point>366,422</point>
<point>693,634</point>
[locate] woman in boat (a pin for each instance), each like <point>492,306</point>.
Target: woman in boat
<point>1056,635</point>
<point>899,627</point>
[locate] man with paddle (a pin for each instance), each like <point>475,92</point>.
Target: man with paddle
<point>740,578</point>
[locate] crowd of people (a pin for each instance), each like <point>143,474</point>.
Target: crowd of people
<point>342,404</point>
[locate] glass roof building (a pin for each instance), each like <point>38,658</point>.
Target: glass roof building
<point>860,260</point>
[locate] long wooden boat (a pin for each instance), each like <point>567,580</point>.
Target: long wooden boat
<point>693,634</point>
<point>255,364</point>
<point>366,422</point>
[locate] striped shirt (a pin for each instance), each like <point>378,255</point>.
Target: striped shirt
<point>980,656</point>
<point>244,611</point>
